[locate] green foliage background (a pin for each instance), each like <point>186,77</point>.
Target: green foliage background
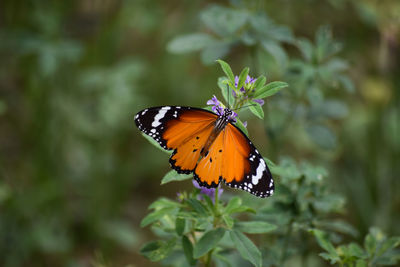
<point>76,176</point>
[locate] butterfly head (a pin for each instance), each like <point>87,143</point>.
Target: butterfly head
<point>223,112</point>
<point>229,115</point>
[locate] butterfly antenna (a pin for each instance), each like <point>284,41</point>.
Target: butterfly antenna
<point>245,106</point>
<point>227,91</point>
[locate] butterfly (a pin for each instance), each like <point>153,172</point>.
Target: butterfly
<point>209,145</point>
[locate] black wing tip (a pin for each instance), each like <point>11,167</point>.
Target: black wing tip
<point>261,190</point>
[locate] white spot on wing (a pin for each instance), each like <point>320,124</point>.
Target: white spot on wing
<point>259,172</point>
<point>159,116</point>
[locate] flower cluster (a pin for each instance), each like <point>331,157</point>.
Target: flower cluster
<point>247,88</point>
<point>217,106</point>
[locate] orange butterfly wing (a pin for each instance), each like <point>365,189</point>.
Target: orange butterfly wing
<point>234,159</point>
<point>187,136</point>
<point>182,129</point>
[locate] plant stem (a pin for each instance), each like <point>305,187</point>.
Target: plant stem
<point>215,223</point>
<point>208,261</point>
<point>216,208</point>
<point>216,200</point>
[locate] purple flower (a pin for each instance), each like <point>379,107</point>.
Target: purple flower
<point>245,124</point>
<point>259,101</point>
<point>213,101</point>
<point>233,93</point>
<point>216,105</point>
<point>247,84</point>
<point>208,191</point>
<point>233,116</point>
<point>236,80</point>
<point>250,80</point>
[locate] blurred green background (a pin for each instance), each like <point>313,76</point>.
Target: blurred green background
<point>76,176</point>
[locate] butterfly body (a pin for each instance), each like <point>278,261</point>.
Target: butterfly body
<point>219,126</point>
<point>208,145</point>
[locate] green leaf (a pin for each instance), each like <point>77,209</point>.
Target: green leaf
<point>388,244</point>
<point>155,216</point>
<point>164,203</point>
<point>259,82</point>
<point>208,241</point>
<point>189,43</point>
<point>321,135</point>
<point>222,20</point>
<point>157,250</point>
<point>223,261</point>
<point>269,89</point>
<point>240,125</point>
<point>260,21</point>
<point>256,109</point>
<point>197,206</point>
<point>324,242</point>
<point>262,24</point>
<point>278,53</point>
<point>337,226</point>
<point>355,250</point>
<point>306,48</point>
<point>325,46</point>
<point>214,51</point>
<point>227,70</point>
<point>228,220</point>
<point>226,90</point>
<point>223,83</point>
<point>246,247</point>
<point>172,175</point>
<point>210,204</point>
<point>255,227</point>
<point>329,257</point>
<point>334,66</point>
<point>157,145</point>
<point>180,225</point>
<point>315,96</point>
<point>361,263</point>
<point>235,205</point>
<point>242,78</point>
<point>347,83</point>
<point>188,250</point>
